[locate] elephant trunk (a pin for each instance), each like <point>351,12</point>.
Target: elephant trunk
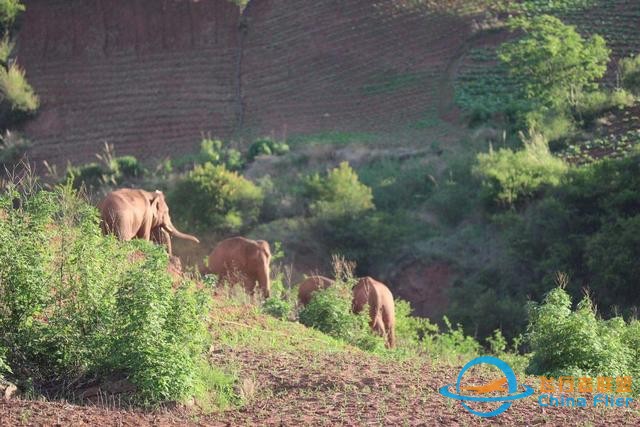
<point>179,234</point>
<point>263,279</point>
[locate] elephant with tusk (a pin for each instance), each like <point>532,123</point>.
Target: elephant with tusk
<point>131,213</point>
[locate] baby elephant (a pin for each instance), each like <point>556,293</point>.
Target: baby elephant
<point>245,261</point>
<point>381,308</point>
<point>309,286</point>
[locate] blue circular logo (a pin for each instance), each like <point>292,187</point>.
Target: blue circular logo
<point>511,384</point>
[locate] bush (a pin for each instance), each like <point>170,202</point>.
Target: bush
<point>329,311</point>
<point>592,104</point>
<point>212,150</point>
<point>630,74</point>
<point>12,148</point>
<point>511,176</point>
<point>111,171</point>
<point>9,10</point>
<point>129,167</point>
<point>339,194</point>
<point>214,198</point>
<point>268,147</point>
<point>6,47</point>
<point>78,305</point>
<point>552,62</point>
<point>281,303</point>
<point>566,342</point>
<point>16,91</point>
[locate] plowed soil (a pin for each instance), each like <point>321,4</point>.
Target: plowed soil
<point>300,388</point>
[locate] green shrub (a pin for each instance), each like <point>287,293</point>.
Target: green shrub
<point>267,146</point>
<point>129,167</point>
<point>108,171</point>
<point>16,91</point>
<point>630,74</point>
<point>212,150</point>
<point>6,47</point>
<point>338,194</point>
<point>12,148</point>
<point>452,345</point>
<point>552,62</point>
<point>566,342</point>
<point>92,175</point>
<point>510,176</point>
<point>214,198</point>
<point>78,305</point>
<point>330,312</point>
<point>9,10</point>
<point>161,333</point>
<point>281,302</point>
<point>592,104</point>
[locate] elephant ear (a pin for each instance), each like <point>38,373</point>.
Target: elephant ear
<point>157,206</point>
<point>264,245</point>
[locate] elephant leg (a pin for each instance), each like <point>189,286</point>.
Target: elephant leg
<point>388,320</point>
<point>379,327</point>
<point>250,287</point>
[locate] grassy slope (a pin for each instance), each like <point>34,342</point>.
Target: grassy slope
<point>288,374</point>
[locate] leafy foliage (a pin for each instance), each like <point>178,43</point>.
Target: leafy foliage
<point>12,147</point>
<point>109,171</point>
<point>419,335</point>
<point>211,197</point>
<point>552,62</point>
<point>9,10</point>
<point>16,91</point>
<point>6,47</point>
<point>566,342</point>
<point>330,312</point>
<point>281,302</point>
<point>339,194</point>
<point>510,176</point>
<point>77,305</point>
<point>268,147</point>
<point>212,150</point>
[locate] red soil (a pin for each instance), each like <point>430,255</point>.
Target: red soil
<point>150,76</point>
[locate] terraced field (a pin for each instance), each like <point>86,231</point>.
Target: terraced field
<point>146,75</point>
<point>150,77</point>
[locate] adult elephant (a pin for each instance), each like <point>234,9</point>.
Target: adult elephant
<point>378,297</point>
<point>131,213</point>
<point>241,260</point>
<point>310,285</point>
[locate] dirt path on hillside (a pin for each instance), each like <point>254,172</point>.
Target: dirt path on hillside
<point>447,108</point>
<point>323,389</point>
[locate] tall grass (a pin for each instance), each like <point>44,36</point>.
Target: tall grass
<point>16,90</point>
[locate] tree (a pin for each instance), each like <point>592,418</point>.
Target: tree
<point>339,194</point>
<point>552,62</point>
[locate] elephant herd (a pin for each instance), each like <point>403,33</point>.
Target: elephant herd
<point>133,213</point>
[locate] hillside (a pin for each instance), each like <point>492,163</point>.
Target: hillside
<point>151,77</point>
<point>291,375</point>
